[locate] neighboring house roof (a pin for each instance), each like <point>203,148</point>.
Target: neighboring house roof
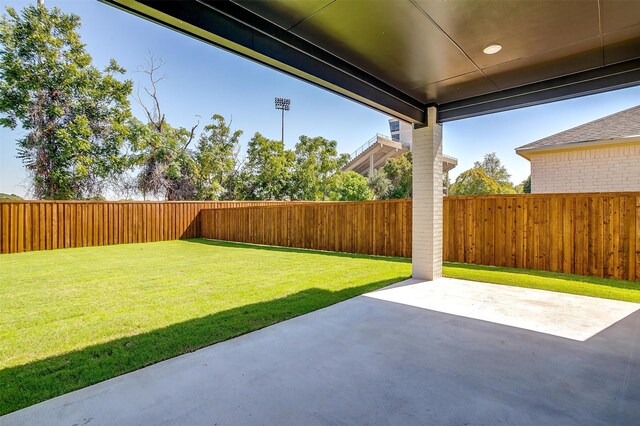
<point>621,127</point>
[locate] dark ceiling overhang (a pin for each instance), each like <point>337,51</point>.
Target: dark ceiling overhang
<point>610,77</point>
<point>401,57</point>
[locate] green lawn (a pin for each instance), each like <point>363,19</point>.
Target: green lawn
<point>564,283</point>
<point>73,317</point>
<point>70,318</point>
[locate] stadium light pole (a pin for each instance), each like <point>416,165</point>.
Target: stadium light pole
<point>283,105</point>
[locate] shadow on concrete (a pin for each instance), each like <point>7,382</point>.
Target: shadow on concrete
<point>37,381</point>
<point>368,361</point>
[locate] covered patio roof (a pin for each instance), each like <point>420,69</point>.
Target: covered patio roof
<point>401,57</point>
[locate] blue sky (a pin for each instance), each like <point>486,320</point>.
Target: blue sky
<point>203,80</point>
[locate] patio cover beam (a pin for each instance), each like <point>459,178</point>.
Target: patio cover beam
<point>233,28</point>
<point>238,29</point>
<point>611,77</point>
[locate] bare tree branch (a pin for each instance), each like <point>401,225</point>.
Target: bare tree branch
<point>155,115</point>
<point>192,134</point>
<point>144,107</point>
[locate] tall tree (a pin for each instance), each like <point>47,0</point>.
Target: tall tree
<point>317,159</point>
<point>399,171</point>
<point>267,172</point>
<point>526,185</point>
<point>167,168</point>
<point>216,156</point>
<point>493,167</point>
<point>348,186</point>
<point>379,184</point>
<point>474,181</point>
<point>76,117</point>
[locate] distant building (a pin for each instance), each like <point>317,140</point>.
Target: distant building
<point>600,156</point>
<point>401,131</point>
<point>375,153</point>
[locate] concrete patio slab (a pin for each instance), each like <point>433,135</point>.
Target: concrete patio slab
<point>560,314</point>
<point>371,361</point>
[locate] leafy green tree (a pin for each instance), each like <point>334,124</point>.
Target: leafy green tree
<point>379,183</point>
<point>526,185</point>
<point>76,117</point>
<point>237,187</point>
<point>9,197</point>
<point>317,159</point>
<point>216,158</point>
<point>399,171</point>
<point>475,181</point>
<point>268,169</point>
<point>167,168</point>
<point>493,167</point>
<point>349,186</point>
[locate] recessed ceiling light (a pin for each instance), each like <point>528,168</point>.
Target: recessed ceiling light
<point>492,48</point>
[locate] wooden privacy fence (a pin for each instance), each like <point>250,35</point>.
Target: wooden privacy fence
<point>588,234</point>
<point>370,227</point>
<point>45,225</point>
<point>585,234</point>
<point>594,234</point>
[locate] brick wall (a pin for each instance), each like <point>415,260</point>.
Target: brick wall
<point>605,169</point>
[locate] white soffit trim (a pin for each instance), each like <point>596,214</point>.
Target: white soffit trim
<point>571,146</point>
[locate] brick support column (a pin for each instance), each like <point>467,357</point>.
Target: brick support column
<point>427,199</point>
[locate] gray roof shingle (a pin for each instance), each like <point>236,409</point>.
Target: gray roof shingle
<point>621,124</point>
